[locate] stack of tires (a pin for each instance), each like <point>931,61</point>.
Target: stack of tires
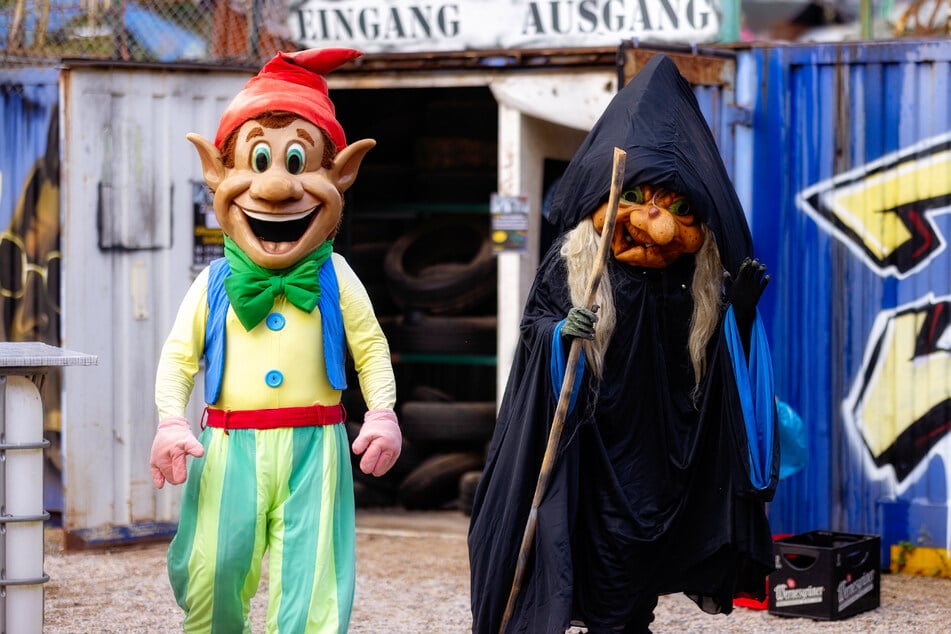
<point>441,278</point>
<point>440,274</point>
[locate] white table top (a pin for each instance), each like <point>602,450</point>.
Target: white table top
<point>34,354</point>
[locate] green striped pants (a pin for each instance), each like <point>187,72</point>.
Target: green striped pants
<point>287,492</point>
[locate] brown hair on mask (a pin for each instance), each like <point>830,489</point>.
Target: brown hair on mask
<point>275,120</point>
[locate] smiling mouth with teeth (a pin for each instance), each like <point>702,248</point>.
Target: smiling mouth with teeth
<point>280,228</point>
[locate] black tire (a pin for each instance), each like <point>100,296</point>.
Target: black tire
<point>433,422</point>
<point>429,393</point>
<point>366,260</point>
<point>353,429</point>
<point>468,482</point>
<point>368,496</point>
<point>410,457</point>
<point>444,268</point>
<point>444,335</point>
<point>435,482</point>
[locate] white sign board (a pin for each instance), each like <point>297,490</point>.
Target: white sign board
<point>401,26</point>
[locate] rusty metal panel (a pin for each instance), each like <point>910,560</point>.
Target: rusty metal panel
<point>129,262</point>
<point>487,59</point>
<point>852,185</point>
<point>701,67</point>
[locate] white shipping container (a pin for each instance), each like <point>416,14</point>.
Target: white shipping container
<point>127,187</point>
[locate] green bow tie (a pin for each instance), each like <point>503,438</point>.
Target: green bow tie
<point>253,289</point>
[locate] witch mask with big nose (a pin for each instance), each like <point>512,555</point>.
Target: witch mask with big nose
<point>654,227</point>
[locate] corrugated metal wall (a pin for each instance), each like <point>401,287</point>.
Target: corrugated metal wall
<point>129,176</point>
<point>851,189</point>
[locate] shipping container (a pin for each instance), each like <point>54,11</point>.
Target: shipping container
<point>851,189</point>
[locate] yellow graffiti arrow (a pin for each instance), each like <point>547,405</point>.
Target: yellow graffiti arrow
<point>881,209</point>
<point>902,410</point>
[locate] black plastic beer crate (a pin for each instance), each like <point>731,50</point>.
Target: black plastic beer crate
<point>825,575</point>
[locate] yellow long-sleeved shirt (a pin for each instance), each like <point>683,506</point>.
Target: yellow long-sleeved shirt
<point>279,362</point>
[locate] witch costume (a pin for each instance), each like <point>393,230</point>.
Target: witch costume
<point>660,482</point>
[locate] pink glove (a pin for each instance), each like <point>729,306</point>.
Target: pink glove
<point>173,441</point>
<point>380,437</point>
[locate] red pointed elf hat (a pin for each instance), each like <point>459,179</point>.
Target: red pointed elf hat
<point>290,82</point>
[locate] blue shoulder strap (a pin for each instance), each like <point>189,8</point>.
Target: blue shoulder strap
<point>218,303</point>
<point>755,386</point>
<point>215,329</point>
<point>332,320</point>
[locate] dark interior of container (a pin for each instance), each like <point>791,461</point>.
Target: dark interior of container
<point>429,180</point>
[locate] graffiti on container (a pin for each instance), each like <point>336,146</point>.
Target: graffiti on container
<point>886,213</point>
<point>900,402</point>
<point>30,265</point>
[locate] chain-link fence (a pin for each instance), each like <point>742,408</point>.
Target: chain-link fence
<point>248,32</point>
<point>235,31</point>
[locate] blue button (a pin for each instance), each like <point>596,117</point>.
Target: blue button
<point>275,321</point>
<point>274,378</point>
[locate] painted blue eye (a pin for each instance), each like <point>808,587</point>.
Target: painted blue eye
<point>261,157</point>
<point>295,159</point>
<point>635,196</point>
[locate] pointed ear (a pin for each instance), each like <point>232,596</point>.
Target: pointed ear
<point>347,163</point>
<point>213,169</point>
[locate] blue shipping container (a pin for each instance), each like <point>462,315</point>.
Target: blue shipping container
<point>851,185</point>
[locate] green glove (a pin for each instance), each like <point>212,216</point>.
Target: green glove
<point>579,323</point>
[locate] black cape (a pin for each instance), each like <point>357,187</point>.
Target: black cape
<point>650,490</point>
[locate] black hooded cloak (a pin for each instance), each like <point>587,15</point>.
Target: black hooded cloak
<point>650,490</point>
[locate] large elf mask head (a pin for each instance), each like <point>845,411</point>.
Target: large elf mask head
<point>280,162</point>
<point>654,227</point>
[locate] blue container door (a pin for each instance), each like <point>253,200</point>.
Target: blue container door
<point>851,189</point>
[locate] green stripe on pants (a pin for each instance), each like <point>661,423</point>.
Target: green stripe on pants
<point>317,552</point>
<point>344,531</point>
<point>180,550</point>
<point>237,559</point>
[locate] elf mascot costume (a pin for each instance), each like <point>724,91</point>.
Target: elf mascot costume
<point>273,321</point>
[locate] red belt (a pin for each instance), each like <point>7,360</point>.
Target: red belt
<point>274,418</point>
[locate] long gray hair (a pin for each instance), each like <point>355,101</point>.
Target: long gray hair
<point>580,249</point>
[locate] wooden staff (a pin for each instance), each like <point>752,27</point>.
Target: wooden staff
<point>567,386</point>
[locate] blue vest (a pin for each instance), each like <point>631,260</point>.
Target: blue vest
<point>218,303</point>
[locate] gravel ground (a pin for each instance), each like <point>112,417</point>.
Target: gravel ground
<point>412,576</point>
